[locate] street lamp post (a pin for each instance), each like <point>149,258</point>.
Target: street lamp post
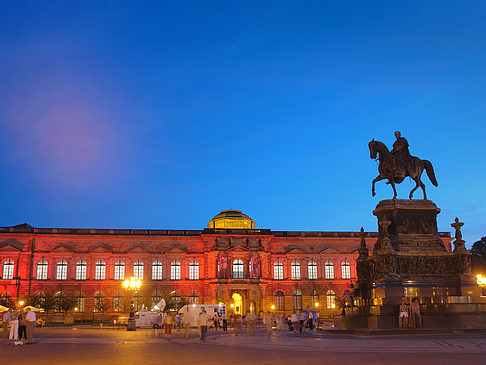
<point>132,285</point>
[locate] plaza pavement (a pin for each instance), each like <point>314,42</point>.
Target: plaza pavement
<point>84,345</point>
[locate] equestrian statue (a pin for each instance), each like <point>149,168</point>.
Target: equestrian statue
<point>397,164</point>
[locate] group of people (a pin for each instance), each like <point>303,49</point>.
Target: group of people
<point>18,324</point>
<point>220,321</point>
<point>182,320</point>
<point>298,321</point>
<point>409,315</point>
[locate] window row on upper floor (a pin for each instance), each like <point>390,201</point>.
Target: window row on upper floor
<point>312,270</point>
<point>119,270</point>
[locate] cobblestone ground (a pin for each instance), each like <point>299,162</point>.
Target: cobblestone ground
<point>108,346</point>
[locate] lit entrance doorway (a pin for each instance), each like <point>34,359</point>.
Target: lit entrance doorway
<point>238,301</point>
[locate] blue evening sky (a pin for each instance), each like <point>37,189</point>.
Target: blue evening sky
<point>161,114</point>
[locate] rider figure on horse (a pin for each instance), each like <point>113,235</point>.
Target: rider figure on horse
<point>401,156</point>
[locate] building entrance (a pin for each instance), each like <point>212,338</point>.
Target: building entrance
<point>238,301</point>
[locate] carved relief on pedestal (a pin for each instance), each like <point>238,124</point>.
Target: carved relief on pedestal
<point>383,266</point>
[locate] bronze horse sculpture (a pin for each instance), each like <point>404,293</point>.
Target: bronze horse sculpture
<point>390,169</point>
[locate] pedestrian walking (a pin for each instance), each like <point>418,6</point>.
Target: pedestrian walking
<point>216,322</point>
<point>30,320</point>
<point>169,321</point>
<point>14,325</point>
<point>237,323</point>
<point>310,321</point>
<point>5,322</point>
<point>224,317</point>
<point>251,321</point>
<point>187,324</point>
<point>301,320</point>
<point>268,319</point>
<point>295,319</point>
<point>280,322</point>
<point>202,322</point>
<point>22,325</point>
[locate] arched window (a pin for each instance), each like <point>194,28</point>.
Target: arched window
<point>156,270</point>
<point>297,300</point>
<point>175,270</point>
<point>137,301</point>
<point>279,301</point>
<point>175,298</point>
<point>42,266</point>
<point>194,270</point>
<point>331,299</point>
<point>138,269</point>
<point>80,301</point>
<point>193,297</point>
<point>61,270</point>
<point>237,269</point>
<point>295,270</point>
<point>312,270</point>
<point>346,270</point>
<point>8,269</point>
<point>100,270</point>
<point>99,302</point>
<point>118,302</point>
<point>58,302</point>
<point>315,299</point>
<point>81,270</point>
<point>329,270</point>
<point>156,298</point>
<point>119,273</point>
<point>278,270</point>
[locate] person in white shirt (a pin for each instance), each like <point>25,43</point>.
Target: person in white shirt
<point>251,321</point>
<point>14,325</point>
<point>224,317</point>
<point>5,320</point>
<point>186,322</point>
<point>202,322</point>
<point>268,319</point>
<point>295,322</point>
<point>30,319</point>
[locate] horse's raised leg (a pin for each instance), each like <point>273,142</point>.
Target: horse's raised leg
<point>376,179</point>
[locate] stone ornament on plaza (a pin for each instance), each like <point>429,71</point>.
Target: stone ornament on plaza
<point>397,164</point>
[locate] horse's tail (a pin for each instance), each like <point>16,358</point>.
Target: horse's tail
<point>430,172</point>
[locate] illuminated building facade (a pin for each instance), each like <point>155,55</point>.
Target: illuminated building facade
<point>230,261</point>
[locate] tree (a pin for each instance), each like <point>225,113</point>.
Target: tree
<point>42,301</point>
<point>101,305</point>
<point>478,256</point>
<point>66,303</point>
<point>6,301</point>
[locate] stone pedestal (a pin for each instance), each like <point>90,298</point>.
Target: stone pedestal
<point>132,325</point>
<point>412,228</point>
<point>410,261</point>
